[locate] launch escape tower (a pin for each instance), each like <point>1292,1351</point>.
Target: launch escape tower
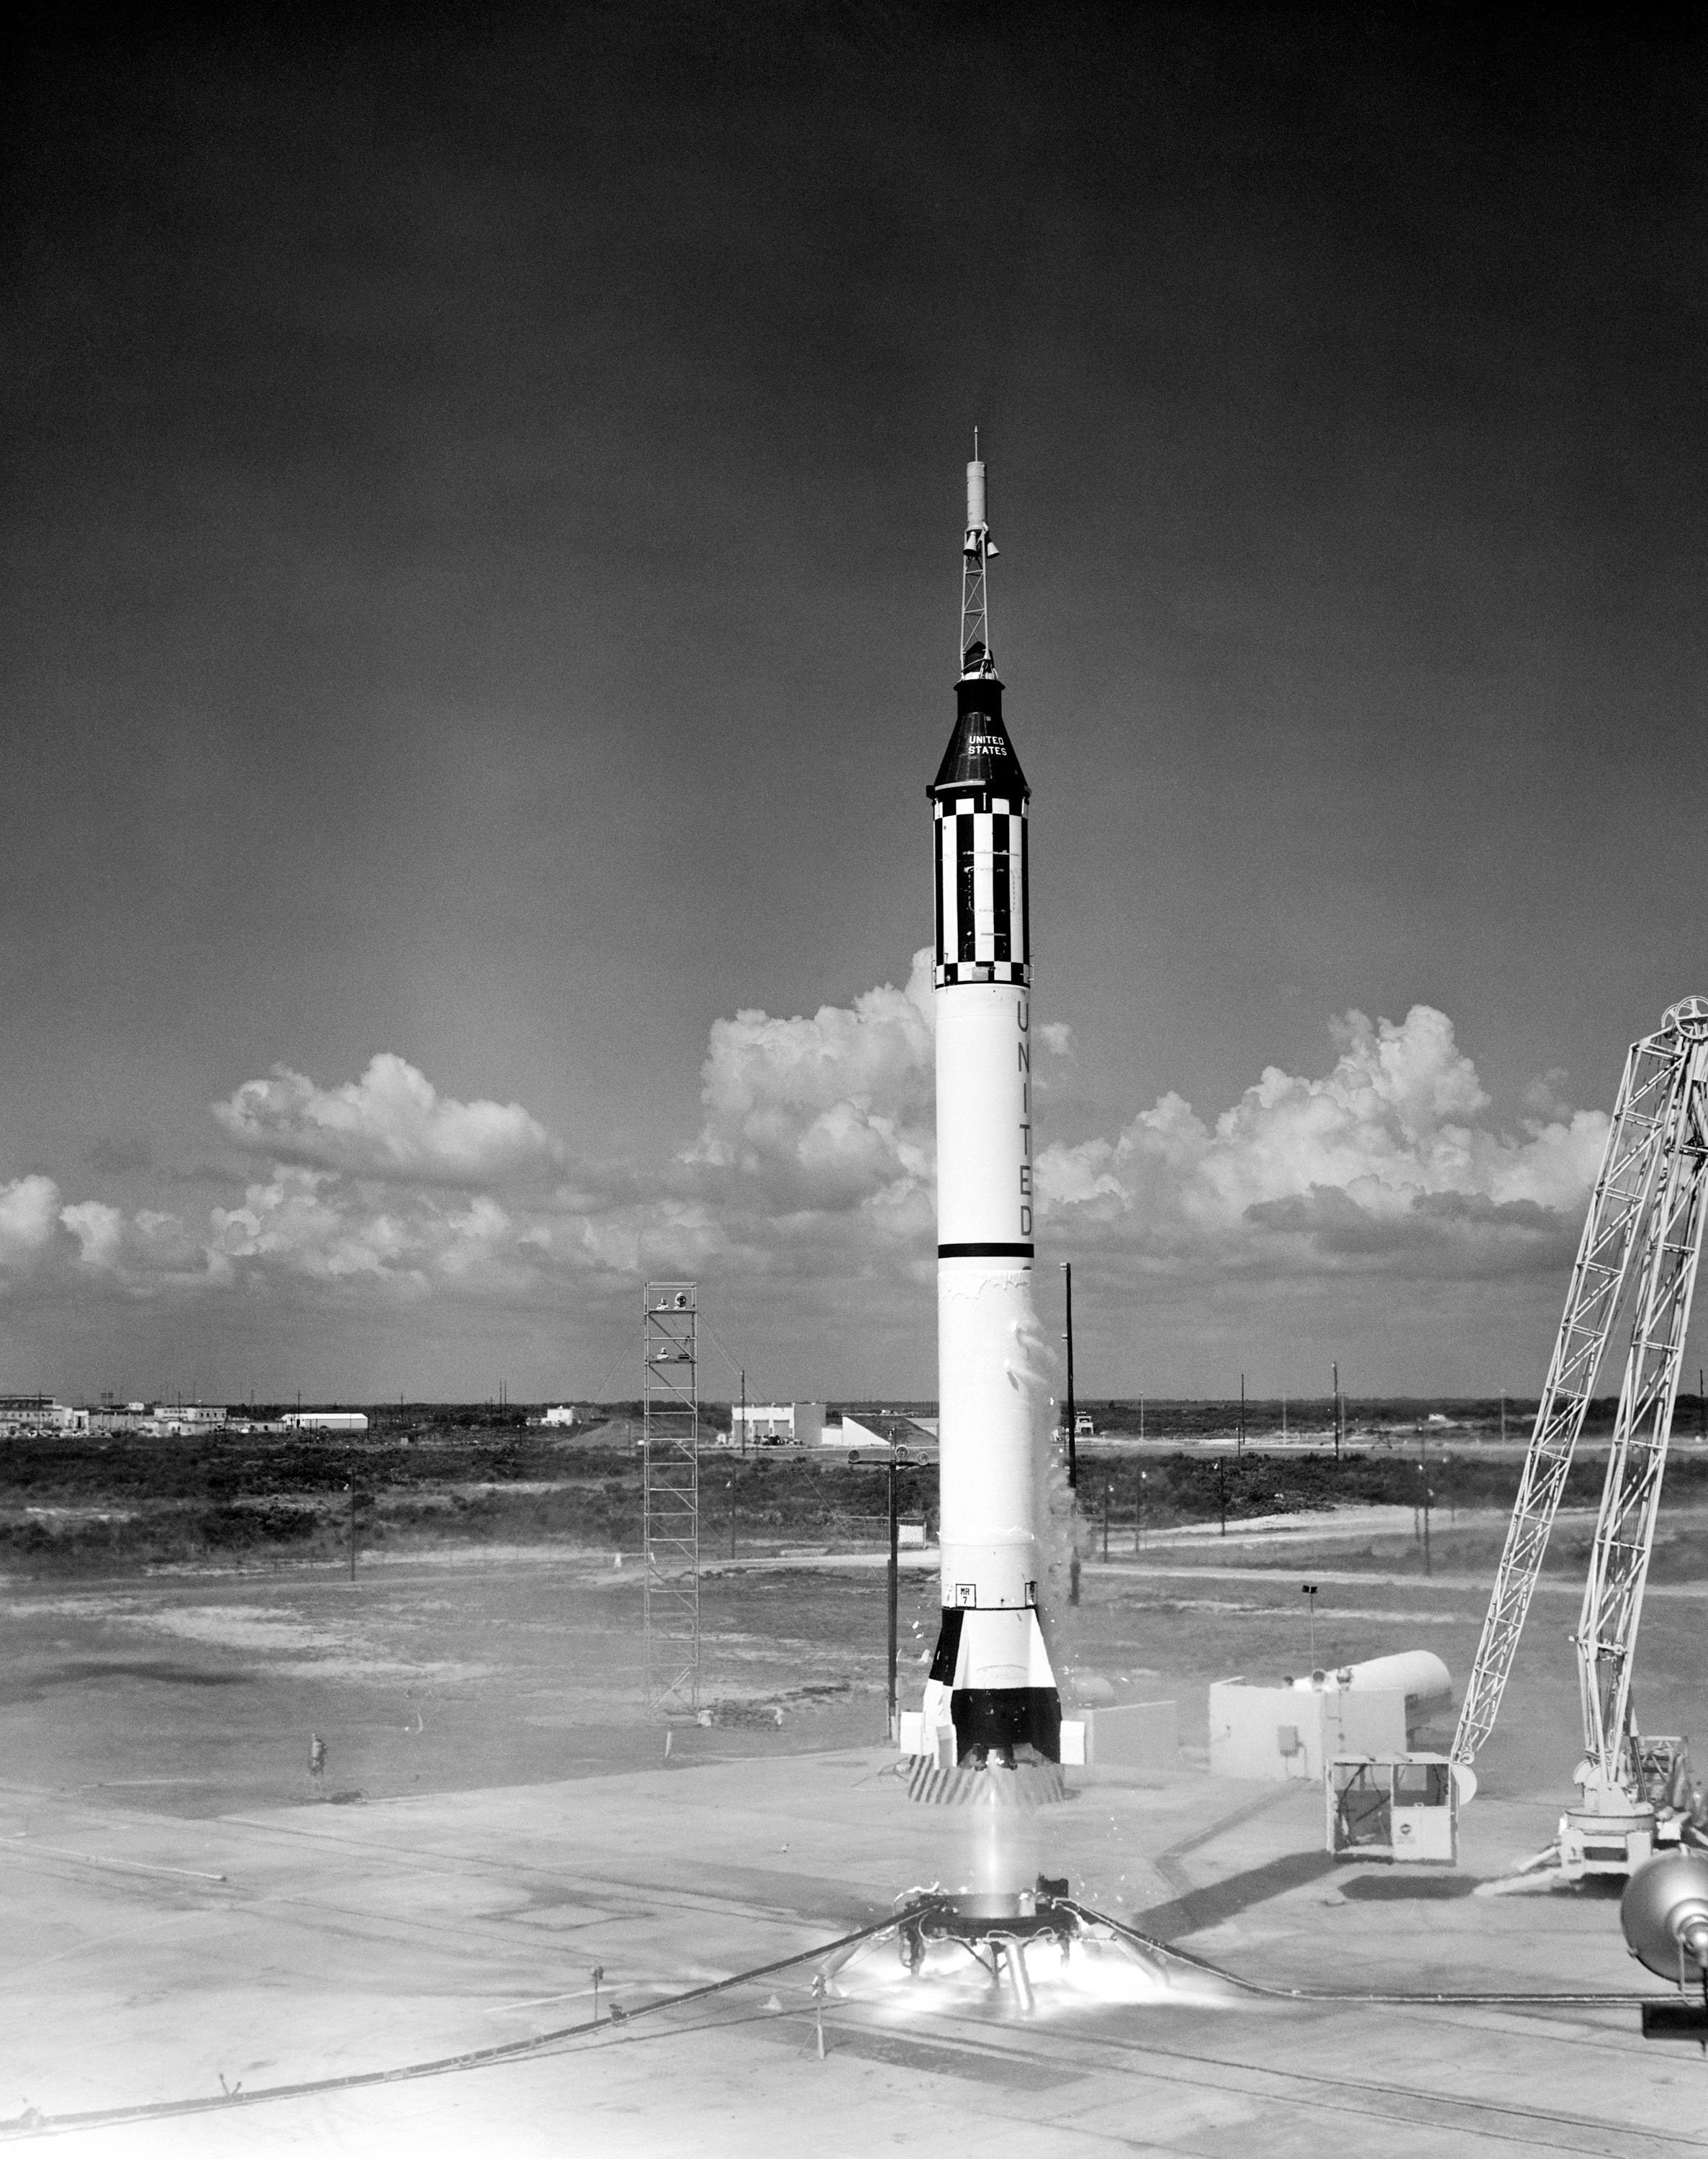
<point>1638,1254</point>
<point>976,657</point>
<point>670,1497</point>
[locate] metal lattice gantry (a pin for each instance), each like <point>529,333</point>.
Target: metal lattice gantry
<point>1645,1223</point>
<point>670,1497</point>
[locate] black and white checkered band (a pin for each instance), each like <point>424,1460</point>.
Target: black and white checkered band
<point>983,924</point>
<point>982,970</point>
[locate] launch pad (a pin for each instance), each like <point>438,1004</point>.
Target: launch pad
<point>997,1929</point>
<point>335,1951</point>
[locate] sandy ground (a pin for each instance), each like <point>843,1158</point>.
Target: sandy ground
<point>187,1911</point>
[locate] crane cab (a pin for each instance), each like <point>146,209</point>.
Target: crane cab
<point>1400,1807</point>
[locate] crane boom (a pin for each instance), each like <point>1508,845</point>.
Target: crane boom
<point>1645,1228</point>
<point>1613,1596</point>
<point>1592,1302</point>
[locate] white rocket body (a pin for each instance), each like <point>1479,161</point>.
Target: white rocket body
<point>992,1690</point>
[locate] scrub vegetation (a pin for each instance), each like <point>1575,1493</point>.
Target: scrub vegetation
<point>104,1505</point>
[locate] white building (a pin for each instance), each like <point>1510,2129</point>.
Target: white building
<point>776,1424</point>
<point>562,1413</point>
<point>1385,1705</point>
<point>324,1420</point>
<point>38,1413</point>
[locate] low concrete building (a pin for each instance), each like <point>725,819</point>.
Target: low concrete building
<point>561,1413</point>
<point>1132,1735</point>
<point>324,1420</point>
<point>1295,1727</point>
<point>776,1424</point>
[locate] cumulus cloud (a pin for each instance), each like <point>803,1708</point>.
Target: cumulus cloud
<point>392,1122</point>
<point>99,1229</point>
<point>29,1208</point>
<point>815,1158</point>
<point>1390,1160</point>
<point>826,1116</point>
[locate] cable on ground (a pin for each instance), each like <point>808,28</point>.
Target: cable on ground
<point>479,2057</point>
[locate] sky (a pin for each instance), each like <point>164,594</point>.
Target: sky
<point>481,546</point>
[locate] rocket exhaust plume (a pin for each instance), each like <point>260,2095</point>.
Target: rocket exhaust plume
<point>991,1729</point>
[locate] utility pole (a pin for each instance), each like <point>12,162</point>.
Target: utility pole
<point>1337,1412</point>
<point>1108,1499</point>
<point>744,1417</point>
<point>895,1575</point>
<point>1222,1488</point>
<point>1073,1457</point>
<point>732,1510</point>
<point>1242,1413</point>
<point>1073,1454</point>
<point>1423,1479</point>
<point>353,1528</point>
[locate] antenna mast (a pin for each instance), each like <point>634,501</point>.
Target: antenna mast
<point>976,549</point>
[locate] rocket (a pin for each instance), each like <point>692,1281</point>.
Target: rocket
<point>991,1702</point>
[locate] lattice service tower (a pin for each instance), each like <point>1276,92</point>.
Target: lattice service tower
<point>670,1497</point>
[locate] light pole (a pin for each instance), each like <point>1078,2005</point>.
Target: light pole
<point>897,1462</point>
<point>1337,1412</point>
<point>1308,1591</point>
<point>1068,1337</point>
<point>1139,1533</point>
<point>1108,1498</point>
<point>1423,1481</point>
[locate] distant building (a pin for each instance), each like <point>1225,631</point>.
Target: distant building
<point>564,1413</point>
<point>38,1413</point>
<point>160,1419</point>
<point>776,1424</point>
<point>324,1420</point>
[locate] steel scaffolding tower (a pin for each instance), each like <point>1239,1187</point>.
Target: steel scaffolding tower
<point>1645,1227</point>
<point>670,1498</point>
